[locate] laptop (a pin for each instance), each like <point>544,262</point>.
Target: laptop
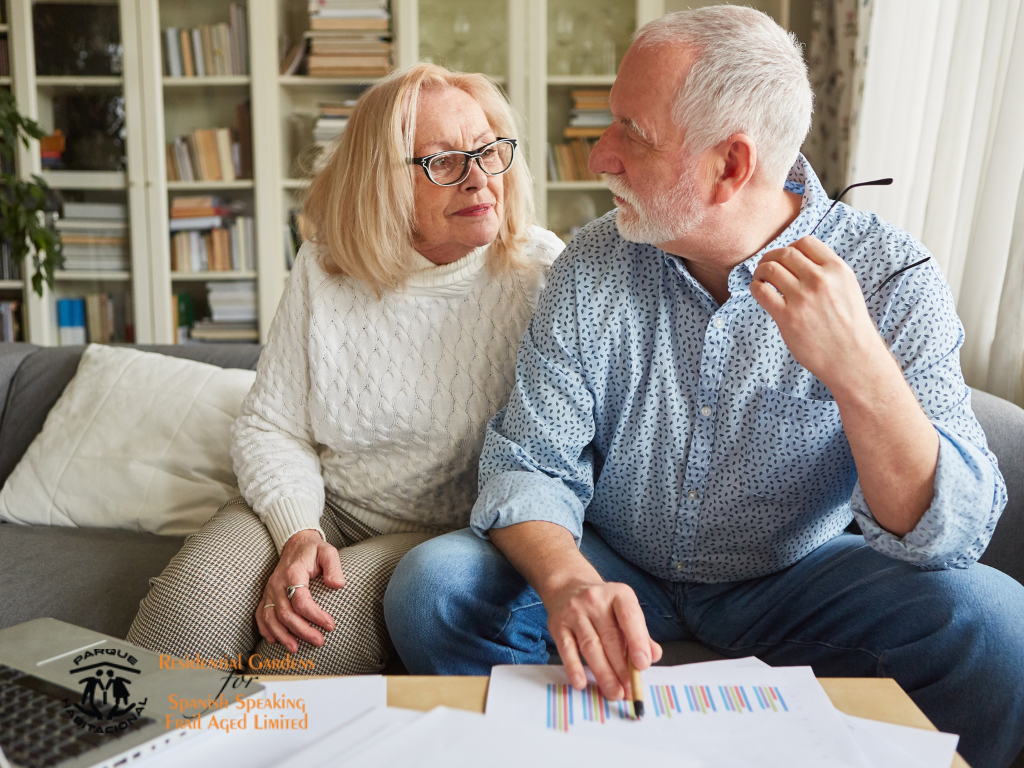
<point>74,698</point>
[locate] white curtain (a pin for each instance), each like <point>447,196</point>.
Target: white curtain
<point>943,114</point>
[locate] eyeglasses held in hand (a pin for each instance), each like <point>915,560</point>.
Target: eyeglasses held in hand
<point>875,183</point>
<point>451,168</point>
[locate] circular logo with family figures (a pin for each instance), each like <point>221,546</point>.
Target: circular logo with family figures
<point>109,703</point>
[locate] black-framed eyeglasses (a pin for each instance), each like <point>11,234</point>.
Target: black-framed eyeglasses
<point>450,168</point>
<point>840,196</point>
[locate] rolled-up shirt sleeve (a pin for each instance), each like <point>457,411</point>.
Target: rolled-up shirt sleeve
<point>925,336</point>
<point>537,462</point>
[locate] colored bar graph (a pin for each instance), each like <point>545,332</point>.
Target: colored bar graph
<point>665,701</point>
<point>559,707</point>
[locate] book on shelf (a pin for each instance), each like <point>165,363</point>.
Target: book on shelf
<point>209,51</point>
<point>588,120</point>
<point>95,237</point>
<point>233,313</point>
<point>327,130</point>
<point>51,151</point>
<point>10,321</point>
<point>341,23</point>
<point>106,211</point>
<point>10,268</point>
<point>211,154</point>
<point>347,38</point>
<point>590,114</point>
<point>572,132</point>
<point>209,235</point>
<point>569,161</point>
<point>5,66</point>
<point>208,330</point>
<point>71,322</point>
<point>293,58</point>
<point>97,318</point>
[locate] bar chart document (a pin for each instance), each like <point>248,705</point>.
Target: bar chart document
<point>726,716</point>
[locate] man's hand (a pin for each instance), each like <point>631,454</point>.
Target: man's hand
<point>304,557</point>
<point>824,321</point>
<point>602,621</point>
<point>820,311</point>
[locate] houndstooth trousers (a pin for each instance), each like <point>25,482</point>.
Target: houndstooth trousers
<point>203,605</point>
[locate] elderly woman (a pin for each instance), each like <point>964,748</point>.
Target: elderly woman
<point>393,345</point>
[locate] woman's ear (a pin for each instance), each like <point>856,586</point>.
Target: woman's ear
<point>734,166</point>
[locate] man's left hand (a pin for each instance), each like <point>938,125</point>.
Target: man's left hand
<point>815,299</point>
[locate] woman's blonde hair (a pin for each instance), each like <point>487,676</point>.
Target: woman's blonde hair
<point>360,207</point>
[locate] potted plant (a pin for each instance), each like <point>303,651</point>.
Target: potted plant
<point>23,201</point>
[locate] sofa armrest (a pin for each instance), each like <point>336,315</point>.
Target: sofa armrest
<point>1003,423</point>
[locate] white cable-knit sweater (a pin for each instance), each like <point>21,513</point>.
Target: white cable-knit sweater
<point>382,402</point>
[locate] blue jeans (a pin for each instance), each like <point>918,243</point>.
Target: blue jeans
<point>953,640</point>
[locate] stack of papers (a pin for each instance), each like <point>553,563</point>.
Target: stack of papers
<point>715,714</point>
<point>720,713</point>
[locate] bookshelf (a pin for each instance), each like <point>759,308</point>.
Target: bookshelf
<point>517,43</point>
<point>12,287</point>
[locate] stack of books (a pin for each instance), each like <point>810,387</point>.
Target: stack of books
<point>349,38</point>
<point>330,125</point>
<point>10,268</point>
<point>217,49</point>
<point>209,235</point>
<point>233,313</point>
<point>95,237</point>
<point>588,120</point>
<point>207,154</point>
<point>590,115</point>
<point>98,318</point>
<point>10,321</point>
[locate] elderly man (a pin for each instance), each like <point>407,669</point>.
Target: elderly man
<point>705,398</point>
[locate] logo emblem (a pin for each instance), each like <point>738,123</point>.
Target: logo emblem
<point>109,704</point>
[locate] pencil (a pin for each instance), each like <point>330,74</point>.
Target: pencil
<point>638,691</point>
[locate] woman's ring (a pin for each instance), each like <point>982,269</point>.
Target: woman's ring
<point>269,605</point>
<point>291,590</point>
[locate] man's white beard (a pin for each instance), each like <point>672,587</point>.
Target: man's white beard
<point>668,217</point>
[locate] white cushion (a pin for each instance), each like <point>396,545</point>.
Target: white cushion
<point>137,440</point>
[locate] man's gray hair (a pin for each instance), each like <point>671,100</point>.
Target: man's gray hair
<point>748,77</point>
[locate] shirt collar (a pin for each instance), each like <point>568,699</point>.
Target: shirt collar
<point>802,180</point>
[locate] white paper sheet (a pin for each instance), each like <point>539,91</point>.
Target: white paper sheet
<point>896,746</point>
<point>452,738</point>
<point>377,724</point>
<point>720,712</point>
<point>327,704</point>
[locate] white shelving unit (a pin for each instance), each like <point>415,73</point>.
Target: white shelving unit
<point>159,107</point>
<point>10,290</point>
<point>35,95</point>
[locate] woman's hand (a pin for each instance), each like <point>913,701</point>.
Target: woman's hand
<point>304,557</point>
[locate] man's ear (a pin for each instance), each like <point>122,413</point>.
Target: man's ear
<point>735,161</point>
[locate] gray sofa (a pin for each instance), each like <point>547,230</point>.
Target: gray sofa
<point>95,577</point>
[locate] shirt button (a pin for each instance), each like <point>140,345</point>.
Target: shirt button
<point>705,411</point>
<point>679,566</point>
<point>691,495</point>
<point>719,322</point>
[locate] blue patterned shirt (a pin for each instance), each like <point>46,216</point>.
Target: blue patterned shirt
<point>690,438</point>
